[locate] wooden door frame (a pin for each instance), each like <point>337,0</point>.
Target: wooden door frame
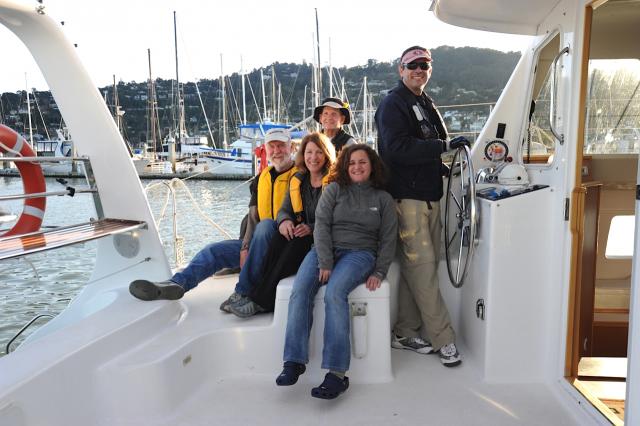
<point>572,355</point>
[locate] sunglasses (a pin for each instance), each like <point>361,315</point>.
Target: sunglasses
<point>414,66</point>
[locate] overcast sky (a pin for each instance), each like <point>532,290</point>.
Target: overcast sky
<point>113,36</point>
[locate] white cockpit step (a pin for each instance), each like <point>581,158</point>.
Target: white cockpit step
<point>206,344</point>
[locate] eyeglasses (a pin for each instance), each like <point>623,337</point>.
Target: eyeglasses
<point>414,66</point>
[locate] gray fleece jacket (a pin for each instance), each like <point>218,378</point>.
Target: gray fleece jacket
<point>357,216</point>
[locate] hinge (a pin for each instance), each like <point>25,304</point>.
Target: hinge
<point>637,192</point>
<point>566,209</point>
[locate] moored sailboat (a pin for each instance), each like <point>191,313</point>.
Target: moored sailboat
<point>120,361</point>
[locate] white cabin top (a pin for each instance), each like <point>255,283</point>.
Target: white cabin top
<point>514,17</point>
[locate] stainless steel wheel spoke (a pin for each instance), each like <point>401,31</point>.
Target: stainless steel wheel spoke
<point>456,200</point>
<point>460,227</point>
<point>452,238</point>
<point>460,255</point>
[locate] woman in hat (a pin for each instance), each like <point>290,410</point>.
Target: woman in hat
<point>332,114</point>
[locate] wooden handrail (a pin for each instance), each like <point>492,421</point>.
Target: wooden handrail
<point>20,245</point>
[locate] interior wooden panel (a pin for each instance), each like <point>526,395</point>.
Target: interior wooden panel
<point>621,168</point>
<point>615,32</point>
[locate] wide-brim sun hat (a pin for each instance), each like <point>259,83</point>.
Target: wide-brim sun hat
<point>333,103</point>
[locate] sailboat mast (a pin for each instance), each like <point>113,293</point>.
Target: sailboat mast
<point>319,69</point>
<point>273,92</point>
<point>365,118</point>
<point>244,106</point>
<point>28,110</point>
<point>279,96</point>
<point>180,112</point>
<point>151,131</point>
<point>264,96</point>
<point>116,107</point>
<point>224,106</point>
<point>44,124</point>
<point>330,72</point>
<point>304,103</point>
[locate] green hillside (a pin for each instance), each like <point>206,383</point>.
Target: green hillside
<point>460,76</point>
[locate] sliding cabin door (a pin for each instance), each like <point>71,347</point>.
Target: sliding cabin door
<point>603,335</point>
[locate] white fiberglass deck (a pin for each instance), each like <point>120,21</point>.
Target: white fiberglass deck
<point>422,392</point>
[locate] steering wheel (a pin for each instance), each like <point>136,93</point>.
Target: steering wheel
<point>461,216</point>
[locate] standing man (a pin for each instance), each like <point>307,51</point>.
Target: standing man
<point>332,114</point>
<point>267,192</point>
<point>412,136</point>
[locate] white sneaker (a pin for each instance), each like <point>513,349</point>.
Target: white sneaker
<point>415,344</point>
<point>449,355</point>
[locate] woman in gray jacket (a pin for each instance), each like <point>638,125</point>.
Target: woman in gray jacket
<point>354,243</point>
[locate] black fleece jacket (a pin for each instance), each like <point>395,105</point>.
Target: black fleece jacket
<point>413,160</point>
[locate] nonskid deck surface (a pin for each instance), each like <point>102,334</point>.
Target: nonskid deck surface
<point>422,392</point>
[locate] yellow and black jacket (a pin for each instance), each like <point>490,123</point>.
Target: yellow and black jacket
<point>271,193</point>
<point>300,203</point>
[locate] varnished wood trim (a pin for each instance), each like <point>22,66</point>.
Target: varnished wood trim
<point>537,159</point>
<point>611,310</point>
<point>576,227</point>
<point>615,324</point>
<point>599,405</point>
<point>620,186</point>
<point>572,355</point>
<point>597,3</point>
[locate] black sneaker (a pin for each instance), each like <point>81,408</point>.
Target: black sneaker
<point>245,308</point>
<point>149,290</point>
<point>449,355</point>
<point>415,344</point>
<point>225,306</point>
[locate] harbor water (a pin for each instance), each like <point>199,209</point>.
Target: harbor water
<point>45,282</point>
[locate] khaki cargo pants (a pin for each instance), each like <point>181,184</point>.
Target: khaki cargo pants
<point>421,309</point>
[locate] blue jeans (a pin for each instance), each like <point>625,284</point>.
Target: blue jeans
<point>226,254</point>
<point>351,268</point>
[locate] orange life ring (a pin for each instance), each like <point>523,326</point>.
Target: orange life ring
<point>32,181</point>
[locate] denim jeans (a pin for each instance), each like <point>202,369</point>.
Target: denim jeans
<point>226,254</point>
<point>351,268</point>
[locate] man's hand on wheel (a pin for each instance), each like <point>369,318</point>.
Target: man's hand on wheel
<point>458,142</point>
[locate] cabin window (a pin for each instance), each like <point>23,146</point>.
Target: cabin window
<point>613,107</point>
<point>539,142</point>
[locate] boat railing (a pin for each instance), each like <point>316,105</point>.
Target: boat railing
<point>178,241</point>
<point>22,244</point>
<point>70,191</point>
<point>44,159</point>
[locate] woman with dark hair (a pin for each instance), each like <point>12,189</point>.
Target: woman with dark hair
<point>295,222</point>
<point>354,242</point>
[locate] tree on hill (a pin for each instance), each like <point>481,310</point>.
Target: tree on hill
<point>461,75</point>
